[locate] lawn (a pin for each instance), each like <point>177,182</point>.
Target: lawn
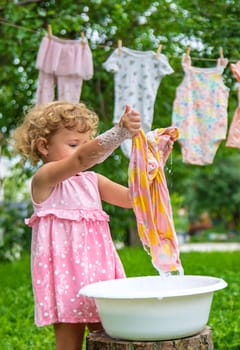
<point>17,329</point>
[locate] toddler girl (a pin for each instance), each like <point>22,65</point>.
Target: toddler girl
<point>71,241</point>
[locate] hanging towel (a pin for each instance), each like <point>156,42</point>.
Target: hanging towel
<point>151,200</point>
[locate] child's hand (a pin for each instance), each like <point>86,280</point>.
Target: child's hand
<point>131,121</point>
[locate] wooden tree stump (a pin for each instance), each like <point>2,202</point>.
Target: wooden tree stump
<point>99,340</point>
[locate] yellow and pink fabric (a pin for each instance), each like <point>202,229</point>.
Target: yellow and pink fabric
<point>151,200</point>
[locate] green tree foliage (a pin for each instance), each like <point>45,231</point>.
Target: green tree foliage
<point>204,25</point>
<point>217,191</point>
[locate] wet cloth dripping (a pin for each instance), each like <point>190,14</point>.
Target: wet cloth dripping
<point>151,200</point>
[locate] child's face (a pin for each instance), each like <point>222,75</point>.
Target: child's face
<point>64,143</point>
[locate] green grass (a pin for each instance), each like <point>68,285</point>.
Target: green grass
<point>17,329</point>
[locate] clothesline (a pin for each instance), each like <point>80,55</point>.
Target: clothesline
<point>4,22</point>
<point>49,61</point>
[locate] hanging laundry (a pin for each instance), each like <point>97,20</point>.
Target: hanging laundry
<point>63,63</point>
<point>137,75</point>
<point>200,111</point>
<point>151,200</point>
<point>233,139</point>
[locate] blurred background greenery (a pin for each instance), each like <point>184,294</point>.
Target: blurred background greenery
<point>202,25</point>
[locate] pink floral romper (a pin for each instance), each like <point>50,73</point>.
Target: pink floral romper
<point>200,111</point>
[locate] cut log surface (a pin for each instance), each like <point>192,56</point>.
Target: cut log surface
<point>99,340</point>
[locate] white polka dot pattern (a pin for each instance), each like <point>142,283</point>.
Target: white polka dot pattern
<point>71,247</point>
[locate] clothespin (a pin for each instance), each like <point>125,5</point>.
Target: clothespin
<point>221,52</point>
<point>158,51</point>
<point>83,38</point>
<point>223,61</point>
<point>119,46</point>
<point>187,54</point>
<point>49,31</point>
<point>188,50</point>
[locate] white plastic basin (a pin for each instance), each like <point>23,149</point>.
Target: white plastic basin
<point>154,307</point>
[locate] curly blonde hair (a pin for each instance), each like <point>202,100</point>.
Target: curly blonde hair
<point>45,120</point>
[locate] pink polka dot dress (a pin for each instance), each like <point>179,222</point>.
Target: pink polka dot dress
<point>71,247</point>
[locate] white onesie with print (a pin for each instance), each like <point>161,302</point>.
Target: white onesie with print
<point>137,75</point>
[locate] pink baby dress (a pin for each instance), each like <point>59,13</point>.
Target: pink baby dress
<point>63,64</point>
<point>71,247</point>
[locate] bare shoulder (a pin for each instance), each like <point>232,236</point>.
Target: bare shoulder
<point>41,187</point>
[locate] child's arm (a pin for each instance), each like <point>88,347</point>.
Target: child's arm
<point>85,156</point>
<point>114,193</point>
<point>108,141</point>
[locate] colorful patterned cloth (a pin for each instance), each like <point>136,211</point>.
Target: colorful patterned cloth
<point>151,200</point>
<point>200,111</point>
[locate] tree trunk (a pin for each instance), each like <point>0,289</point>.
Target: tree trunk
<point>99,340</point>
